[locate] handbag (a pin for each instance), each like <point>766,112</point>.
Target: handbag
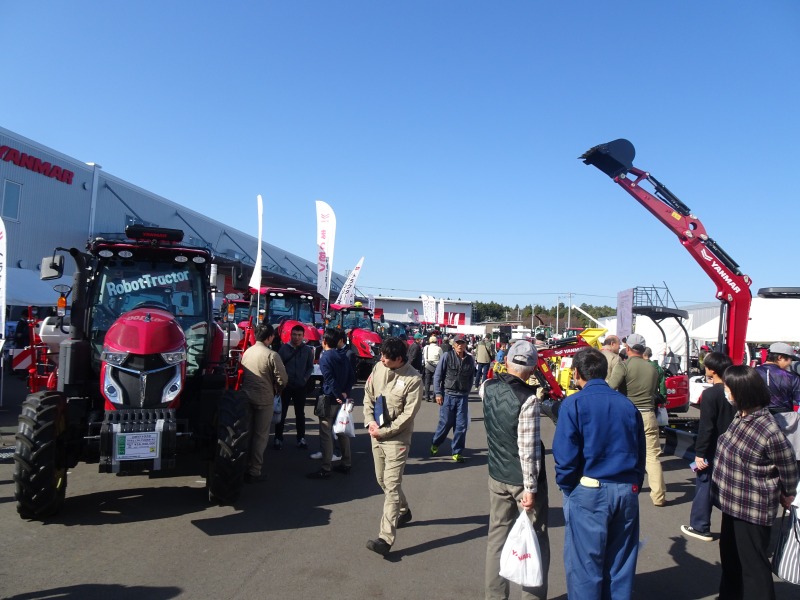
<point>520,559</point>
<point>786,560</point>
<point>344,421</point>
<point>277,409</point>
<point>662,416</point>
<point>323,407</point>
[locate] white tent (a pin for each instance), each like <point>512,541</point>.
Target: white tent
<point>771,320</point>
<point>26,289</point>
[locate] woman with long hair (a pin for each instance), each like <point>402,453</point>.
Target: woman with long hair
<point>755,471</point>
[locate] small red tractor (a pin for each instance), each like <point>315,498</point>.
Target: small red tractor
<point>284,309</point>
<point>364,340</point>
<point>140,378</point>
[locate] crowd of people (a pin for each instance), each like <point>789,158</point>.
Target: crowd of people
<point>606,441</point>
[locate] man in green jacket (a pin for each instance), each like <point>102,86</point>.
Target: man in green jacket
<point>637,379</point>
<point>484,355</point>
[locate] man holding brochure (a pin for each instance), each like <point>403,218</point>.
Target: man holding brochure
<point>392,397</point>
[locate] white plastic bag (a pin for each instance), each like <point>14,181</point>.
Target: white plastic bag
<point>520,560</point>
<point>662,417</point>
<point>344,421</point>
<point>277,409</point>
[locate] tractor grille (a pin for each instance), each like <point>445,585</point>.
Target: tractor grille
<point>143,380</point>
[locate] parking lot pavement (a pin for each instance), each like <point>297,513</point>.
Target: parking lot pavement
<point>158,538</point>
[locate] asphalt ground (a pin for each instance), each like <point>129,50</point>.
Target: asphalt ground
<point>290,537</point>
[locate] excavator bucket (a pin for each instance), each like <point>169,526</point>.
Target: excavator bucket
<point>613,158</point>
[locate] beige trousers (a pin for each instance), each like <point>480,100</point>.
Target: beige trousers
<point>260,421</point>
<point>390,461</point>
<point>655,476</point>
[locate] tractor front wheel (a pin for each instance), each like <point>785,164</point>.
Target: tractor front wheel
<point>228,465</point>
<point>40,471</point>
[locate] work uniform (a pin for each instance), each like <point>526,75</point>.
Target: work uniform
<point>264,376</point>
<point>402,391</point>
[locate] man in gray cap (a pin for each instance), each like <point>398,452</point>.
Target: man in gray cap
<point>516,465</point>
<point>452,382</point>
<point>784,386</point>
<point>638,379</point>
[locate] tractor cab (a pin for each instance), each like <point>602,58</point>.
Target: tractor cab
<point>362,336</point>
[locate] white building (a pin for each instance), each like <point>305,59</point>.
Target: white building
<point>49,199</point>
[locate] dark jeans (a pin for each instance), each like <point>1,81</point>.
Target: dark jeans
<point>453,414</point>
<point>297,397</point>
<point>480,373</point>
<point>746,569</point>
<point>700,518</point>
<point>427,381</point>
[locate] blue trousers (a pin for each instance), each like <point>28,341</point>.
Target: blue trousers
<point>453,414</point>
<point>700,518</point>
<point>601,541</point>
<point>481,372</point>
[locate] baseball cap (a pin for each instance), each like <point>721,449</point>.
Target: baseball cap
<point>460,338</point>
<point>636,339</point>
<point>417,336</point>
<point>522,353</point>
<point>433,339</point>
<point>783,348</point>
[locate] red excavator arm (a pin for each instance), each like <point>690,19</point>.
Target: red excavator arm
<point>615,159</point>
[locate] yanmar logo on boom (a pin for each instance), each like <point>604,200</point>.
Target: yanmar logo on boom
<point>720,271</point>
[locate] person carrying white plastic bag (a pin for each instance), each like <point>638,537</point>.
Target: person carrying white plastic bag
<point>520,560</point>
<point>344,420</point>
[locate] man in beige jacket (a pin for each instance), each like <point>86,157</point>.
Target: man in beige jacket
<point>264,377</point>
<point>392,397</point>
<point>610,350</point>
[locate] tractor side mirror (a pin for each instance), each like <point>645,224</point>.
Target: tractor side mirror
<point>52,267</point>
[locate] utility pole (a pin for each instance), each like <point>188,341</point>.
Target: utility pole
<point>569,310</point>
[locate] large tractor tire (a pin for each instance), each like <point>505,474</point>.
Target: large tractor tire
<point>40,471</point>
<point>229,463</point>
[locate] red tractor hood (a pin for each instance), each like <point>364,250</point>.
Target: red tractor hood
<point>145,331</point>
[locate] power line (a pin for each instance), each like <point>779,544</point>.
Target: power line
<point>496,293</point>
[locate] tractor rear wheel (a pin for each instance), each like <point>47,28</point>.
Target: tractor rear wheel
<point>228,465</point>
<point>40,470</point>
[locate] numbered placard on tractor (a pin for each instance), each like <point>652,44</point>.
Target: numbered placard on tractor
<point>137,446</point>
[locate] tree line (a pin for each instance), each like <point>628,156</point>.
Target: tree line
<point>493,311</point>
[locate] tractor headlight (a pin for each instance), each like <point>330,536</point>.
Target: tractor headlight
<point>174,358</point>
<point>173,388</point>
<point>114,358</point>
<point>111,387</point>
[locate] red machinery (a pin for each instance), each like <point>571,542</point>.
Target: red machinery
<point>365,343</point>
<point>139,375</point>
<point>615,159</point>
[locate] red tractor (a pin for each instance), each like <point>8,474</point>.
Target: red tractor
<point>140,376</point>
<point>364,340</point>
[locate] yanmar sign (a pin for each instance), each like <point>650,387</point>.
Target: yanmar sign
<point>36,165</point>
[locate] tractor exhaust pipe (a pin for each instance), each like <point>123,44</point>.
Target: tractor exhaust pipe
<point>614,158</point>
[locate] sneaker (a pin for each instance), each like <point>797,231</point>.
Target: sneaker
<point>277,444</point>
<point>700,535</point>
<point>379,546</point>
<point>404,519</point>
<point>321,474</point>
<point>315,456</point>
<point>343,469</point>
<point>248,478</point>
<point>301,443</point>
<point>434,450</point>
<point>459,458</point>
<point>335,458</point>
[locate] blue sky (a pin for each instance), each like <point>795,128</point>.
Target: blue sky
<point>444,133</point>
